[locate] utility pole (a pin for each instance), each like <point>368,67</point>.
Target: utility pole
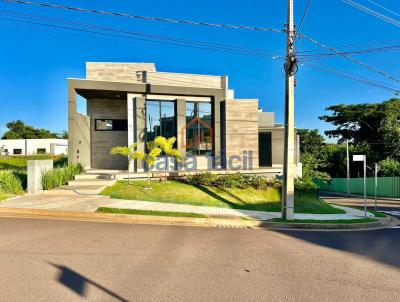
<point>289,146</point>
<point>348,168</point>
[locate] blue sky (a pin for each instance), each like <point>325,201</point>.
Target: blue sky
<point>35,61</point>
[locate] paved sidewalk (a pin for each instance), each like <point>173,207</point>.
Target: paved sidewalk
<point>70,201</point>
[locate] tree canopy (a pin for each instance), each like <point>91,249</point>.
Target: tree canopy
<point>374,126</point>
<point>19,130</point>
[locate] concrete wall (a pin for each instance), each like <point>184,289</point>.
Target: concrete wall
<point>146,73</point>
<point>35,169</point>
<point>277,134</point>
<point>30,146</point>
<point>103,141</point>
<point>117,72</point>
<point>241,124</point>
<point>266,119</point>
<point>183,79</point>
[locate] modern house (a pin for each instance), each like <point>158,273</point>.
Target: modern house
<point>133,103</point>
<point>33,146</point>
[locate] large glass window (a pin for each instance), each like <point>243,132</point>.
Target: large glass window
<point>199,140</point>
<point>160,119</point>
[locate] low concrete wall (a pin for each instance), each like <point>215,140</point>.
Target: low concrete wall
<point>35,170</point>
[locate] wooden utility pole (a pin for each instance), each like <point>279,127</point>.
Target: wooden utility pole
<point>289,145</point>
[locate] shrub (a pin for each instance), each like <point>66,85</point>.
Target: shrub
<point>203,179</point>
<point>305,185</point>
<point>9,182</point>
<point>58,177</point>
<point>238,180</point>
<point>60,161</point>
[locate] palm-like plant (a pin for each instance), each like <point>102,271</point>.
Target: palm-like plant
<point>167,146</point>
<point>154,149</point>
<point>129,152</point>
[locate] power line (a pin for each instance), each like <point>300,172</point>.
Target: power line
<point>302,18</point>
<point>384,8</point>
<point>350,76</point>
<point>128,34</point>
<point>373,12</point>
<point>146,18</point>
<point>322,45</point>
<point>362,51</point>
<point>369,44</point>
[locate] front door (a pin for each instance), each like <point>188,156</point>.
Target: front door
<point>265,149</point>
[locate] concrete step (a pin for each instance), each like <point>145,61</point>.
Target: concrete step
<point>93,176</point>
<point>84,190</point>
<point>91,182</point>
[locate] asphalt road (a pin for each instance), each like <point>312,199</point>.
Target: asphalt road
<point>390,207</point>
<point>52,260</point>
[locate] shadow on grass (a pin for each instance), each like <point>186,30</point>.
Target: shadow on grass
<point>216,196</point>
<point>270,206</point>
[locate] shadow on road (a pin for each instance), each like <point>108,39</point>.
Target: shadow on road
<point>379,245</point>
<point>78,283</point>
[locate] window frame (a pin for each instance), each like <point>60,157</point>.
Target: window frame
<point>112,120</point>
<point>17,153</point>
<point>174,102</point>
<point>196,151</point>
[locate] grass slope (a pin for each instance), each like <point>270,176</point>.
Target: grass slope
<point>148,212</point>
<point>249,199</point>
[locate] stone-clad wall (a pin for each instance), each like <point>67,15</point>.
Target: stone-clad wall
<point>103,141</point>
<point>117,72</point>
<point>242,128</point>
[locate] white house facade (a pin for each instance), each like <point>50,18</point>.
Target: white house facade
<point>33,146</point>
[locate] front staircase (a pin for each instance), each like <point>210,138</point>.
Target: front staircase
<point>91,182</point>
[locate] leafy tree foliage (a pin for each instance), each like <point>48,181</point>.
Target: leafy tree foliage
<point>374,126</point>
<point>390,167</point>
<point>312,153</point>
<point>19,130</point>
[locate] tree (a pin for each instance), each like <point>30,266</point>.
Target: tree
<point>19,130</point>
<point>390,167</point>
<point>63,134</point>
<point>129,152</point>
<point>374,125</point>
<point>167,147</point>
<point>312,154</point>
<point>149,157</point>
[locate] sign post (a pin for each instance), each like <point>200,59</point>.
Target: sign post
<point>377,168</point>
<point>363,158</point>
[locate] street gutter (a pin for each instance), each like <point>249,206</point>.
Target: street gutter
<point>188,221</point>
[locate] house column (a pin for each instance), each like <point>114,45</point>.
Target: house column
<point>217,133</point>
<point>180,125</point>
<point>131,126</point>
<point>140,131</point>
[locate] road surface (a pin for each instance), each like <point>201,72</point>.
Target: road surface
<point>55,260</point>
<point>391,207</point>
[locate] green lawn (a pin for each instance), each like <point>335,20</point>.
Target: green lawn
<point>148,212</point>
<point>339,221</point>
<point>249,199</point>
<point>20,162</point>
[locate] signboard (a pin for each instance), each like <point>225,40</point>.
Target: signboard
<point>357,157</point>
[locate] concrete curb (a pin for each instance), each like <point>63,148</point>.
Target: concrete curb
<point>183,221</point>
<point>394,200</point>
